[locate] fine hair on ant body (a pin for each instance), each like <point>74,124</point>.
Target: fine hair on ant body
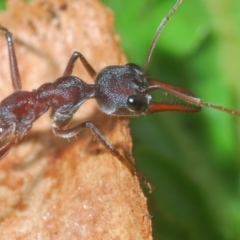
<point>119,90</point>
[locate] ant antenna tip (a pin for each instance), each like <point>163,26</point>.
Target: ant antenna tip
<point>158,32</point>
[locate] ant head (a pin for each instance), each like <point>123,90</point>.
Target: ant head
<point>121,90</point>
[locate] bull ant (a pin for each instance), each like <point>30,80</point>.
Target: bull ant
<point>118,90</point>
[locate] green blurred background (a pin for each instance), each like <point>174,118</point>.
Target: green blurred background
<point>192,159</point>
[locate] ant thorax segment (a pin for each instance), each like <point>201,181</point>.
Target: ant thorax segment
<point>122,90</point>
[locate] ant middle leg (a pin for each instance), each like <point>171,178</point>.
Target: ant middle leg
<point>86,64</point>
<point>16,79</point>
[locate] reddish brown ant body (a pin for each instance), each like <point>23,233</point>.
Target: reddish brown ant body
<point>118,90</point>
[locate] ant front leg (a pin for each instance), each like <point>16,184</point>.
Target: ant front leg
<point>86,64</point>
<point>71,132</point>
<point>7,128</point>
<point>4,150</point>
<point>16,80</point>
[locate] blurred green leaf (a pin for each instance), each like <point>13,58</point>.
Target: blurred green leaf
<point>2,5</point>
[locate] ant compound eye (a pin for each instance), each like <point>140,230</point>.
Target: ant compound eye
<point>137,103</point>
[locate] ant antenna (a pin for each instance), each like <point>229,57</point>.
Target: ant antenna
<point>157,34</point>
<point>220,108</point>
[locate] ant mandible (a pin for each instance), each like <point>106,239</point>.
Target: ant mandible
<point>118,90</point>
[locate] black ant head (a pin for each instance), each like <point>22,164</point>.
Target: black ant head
<point>124,91</point>
<point>121,90</point>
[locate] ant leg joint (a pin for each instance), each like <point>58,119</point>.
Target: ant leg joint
<point>75,55</point>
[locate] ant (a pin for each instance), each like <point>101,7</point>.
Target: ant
<point>119,90</point>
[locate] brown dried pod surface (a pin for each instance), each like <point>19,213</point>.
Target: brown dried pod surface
<point>51,188</point>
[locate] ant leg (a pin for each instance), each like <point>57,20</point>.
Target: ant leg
<point>71,63</point>
<point>68,133</point>
<point>4,150</point>
<point>6,130</point>
<point>16,80</point>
